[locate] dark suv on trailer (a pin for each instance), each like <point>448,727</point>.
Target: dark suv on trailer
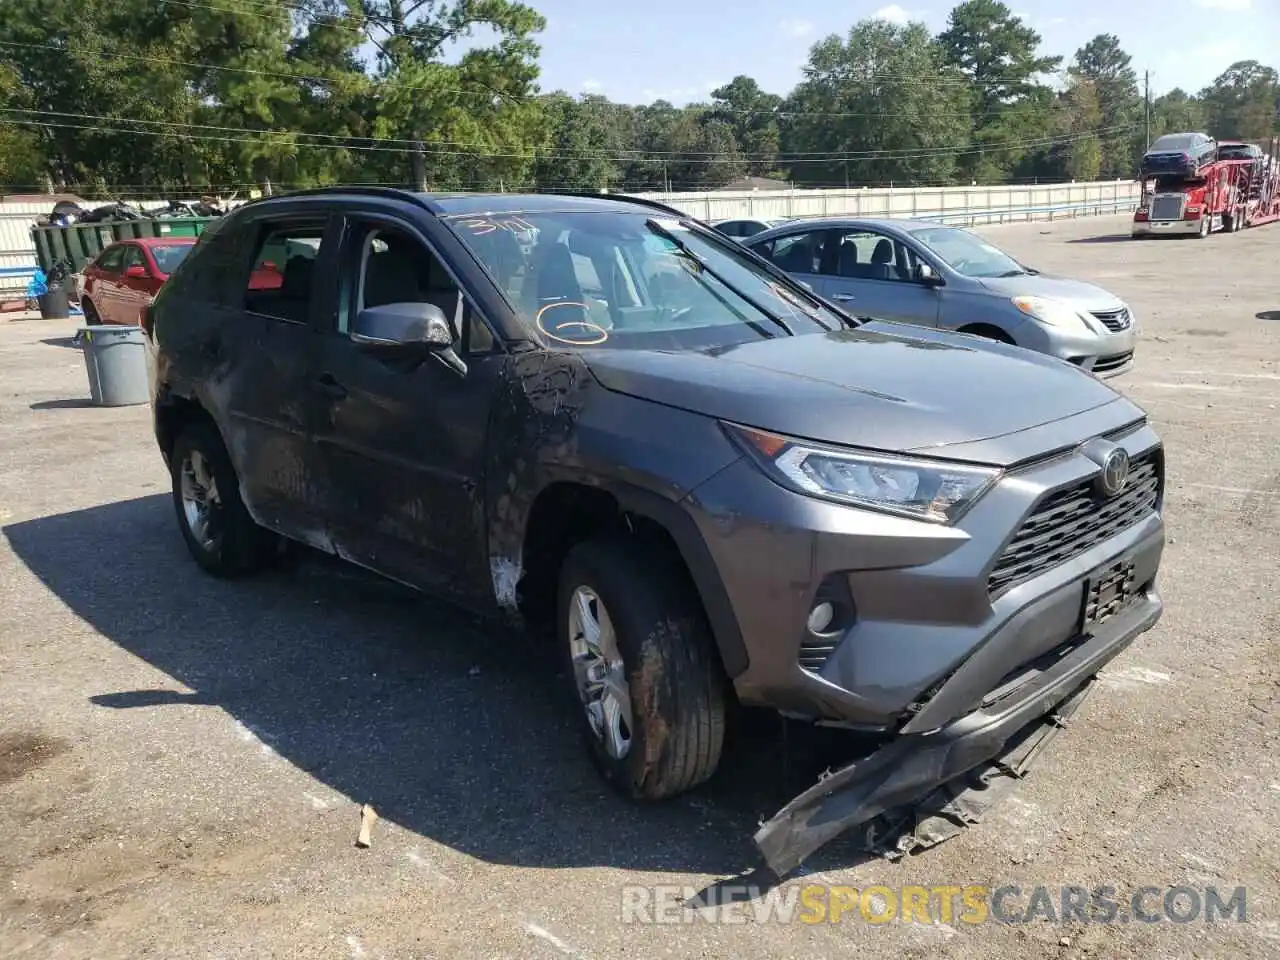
<point>621,427</point>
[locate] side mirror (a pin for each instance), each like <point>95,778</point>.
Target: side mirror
<point>925,274</point>
<point>136,272</point>
<point>408,324</point>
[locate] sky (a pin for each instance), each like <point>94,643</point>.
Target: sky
<point>680,50</point>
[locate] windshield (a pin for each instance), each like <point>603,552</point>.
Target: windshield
<point>1174,142</point>
<point>170,255</point>
<point>969,254</point>
<point>633,280</point>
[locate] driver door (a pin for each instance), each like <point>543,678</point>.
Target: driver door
<point>401,435</point>
<point>873,274</point>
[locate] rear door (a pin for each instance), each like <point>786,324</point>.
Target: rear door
<point>800,253</point>
<point>873,273</point>
<point>102,284</point>
<point>258,359</point>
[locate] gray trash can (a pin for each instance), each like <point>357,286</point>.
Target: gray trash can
<point>115,357</point>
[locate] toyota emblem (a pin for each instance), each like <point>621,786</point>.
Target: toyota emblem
<point>1115,472</point>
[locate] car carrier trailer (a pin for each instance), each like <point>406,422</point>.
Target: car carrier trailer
<point>1226,195</point>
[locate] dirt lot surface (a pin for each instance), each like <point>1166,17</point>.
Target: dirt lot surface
<point>182,761</point>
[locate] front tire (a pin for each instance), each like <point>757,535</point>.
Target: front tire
<point>219,532</point>
<point>643,671</point>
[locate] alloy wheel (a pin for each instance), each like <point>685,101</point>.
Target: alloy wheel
<point>600,674</point>
<point>201,504</point>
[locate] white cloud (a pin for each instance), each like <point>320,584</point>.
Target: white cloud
<point>592,86</point>
<point>1236,5</point>
<point>675,95</point>
<point>796,28</point>
<point>893,14</point>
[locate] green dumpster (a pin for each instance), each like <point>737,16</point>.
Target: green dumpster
<point>81,242</point>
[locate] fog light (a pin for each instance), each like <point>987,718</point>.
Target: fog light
<point>820,617</point>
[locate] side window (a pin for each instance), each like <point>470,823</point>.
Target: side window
<point>395,267</point>
<point>865,255</point>
<point>112,260</point>
<point>280,282</point>
<point>796,252</point>
<point>133,257</point>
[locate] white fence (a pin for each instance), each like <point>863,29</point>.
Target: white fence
<point>962,205</point>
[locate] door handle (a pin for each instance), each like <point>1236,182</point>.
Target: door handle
<point>843,297</point>
<point>330,387</point>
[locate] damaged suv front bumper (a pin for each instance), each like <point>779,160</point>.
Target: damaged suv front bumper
<point>911,767</point>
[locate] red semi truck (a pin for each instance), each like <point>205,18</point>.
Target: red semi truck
<point>1227,194</point>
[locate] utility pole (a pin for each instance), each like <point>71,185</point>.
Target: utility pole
<point>1146,97</point>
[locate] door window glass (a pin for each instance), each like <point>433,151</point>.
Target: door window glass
<point>396,267</point>
<point>133,258</point>
<point>112,259</point>
<point>282,279</point>
<point>796,252</point>
<point>866,255</point>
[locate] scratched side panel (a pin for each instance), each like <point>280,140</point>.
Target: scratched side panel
<point>553,422</point>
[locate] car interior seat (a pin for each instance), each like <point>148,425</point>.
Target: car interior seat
<point>847,261</point>
<point>554,280</point>
<point>293,298</point>
<point>882,267</point>
<point>798,258</point>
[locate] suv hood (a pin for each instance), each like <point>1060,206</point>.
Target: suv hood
<point>883,386</point>
<point>1084,296</point>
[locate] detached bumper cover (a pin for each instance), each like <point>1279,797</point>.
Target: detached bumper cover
<point>908,769</point>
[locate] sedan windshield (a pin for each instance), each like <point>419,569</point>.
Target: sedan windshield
<point>633,280</point>
<point>969,254</point>
<point>169,255</point>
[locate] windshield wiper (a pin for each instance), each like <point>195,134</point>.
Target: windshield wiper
<point>702,264</point>
<point>1013,273</point>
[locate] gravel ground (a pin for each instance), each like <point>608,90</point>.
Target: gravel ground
<point>182,761</point>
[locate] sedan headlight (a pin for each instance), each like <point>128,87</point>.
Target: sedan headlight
<point>935,490</point>
<point>1055,313</point>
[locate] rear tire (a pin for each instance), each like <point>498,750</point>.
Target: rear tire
<point>656,684</point>
<point>219,532</point>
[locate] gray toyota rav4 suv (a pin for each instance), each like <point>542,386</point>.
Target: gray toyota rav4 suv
<point>609,422</point>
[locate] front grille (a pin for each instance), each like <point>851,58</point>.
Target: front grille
<point>1114,362</point>
<point>1166,208</point>
<point>1068,522</point>
<point>1115,320</point>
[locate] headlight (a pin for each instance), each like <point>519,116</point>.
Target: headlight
<point>934,490</point>
<point>1055,313</point>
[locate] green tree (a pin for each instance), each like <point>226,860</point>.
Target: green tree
<point>1177,112</point>
<point>1108,68</point>
<point>580,151</point>
<point>752,115</point>
<point>999,55</point>
<point>860,97</point>
<point>1243,102</point>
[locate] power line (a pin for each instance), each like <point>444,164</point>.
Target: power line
<point>535,153</point>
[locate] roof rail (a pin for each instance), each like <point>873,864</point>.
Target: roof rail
<point>387,193</point>
<point>642,201</point>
